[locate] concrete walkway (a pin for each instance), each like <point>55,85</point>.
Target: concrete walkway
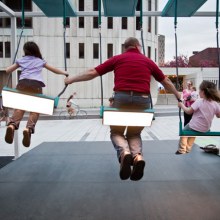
<point>163,128</point>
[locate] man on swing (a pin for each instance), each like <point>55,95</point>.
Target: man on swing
<point>132,72</point>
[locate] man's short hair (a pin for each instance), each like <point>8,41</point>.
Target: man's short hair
<point>131,42</point>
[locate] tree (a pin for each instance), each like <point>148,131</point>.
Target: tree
<point>182,61</point>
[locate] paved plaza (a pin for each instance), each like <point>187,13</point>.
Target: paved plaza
<point>164,127</point>
<point>71,172</point>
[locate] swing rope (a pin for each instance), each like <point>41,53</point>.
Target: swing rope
<point>64,44</point>
<point>176,59</point>
<point>56,99</point>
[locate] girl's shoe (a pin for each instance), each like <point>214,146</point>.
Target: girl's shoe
<point>26,137</point>
<point>9,136</point>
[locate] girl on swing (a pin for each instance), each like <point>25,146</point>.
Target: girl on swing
<point>31,81</point>
<point>203,109</point>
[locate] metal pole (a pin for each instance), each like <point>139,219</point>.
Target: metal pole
<point>100,52</point>
<point>217,39</point>
<point>95,13</point>
<point>14,77</point>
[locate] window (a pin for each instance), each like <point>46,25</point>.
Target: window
<point>16,5</point>
<point>1,49</point>
<point>5,22</point>
<point>67,50</point>
<point>149,5</point>
<point>67,22</point>
<point>138,26</point>
<point>81,5</point>
<point>81,51</point>
<point>110,22</point>
<point>95,5</point>
<point>149,24</point>
<point>81,22</point>
<point>18,74</point>
<point>95,22</point>
<point>122,48</point>
<point>7,49</point>
<point>109,50</point>
<point>149,52</point>
<point>95,51</point>
<point>138,7</point>
<point>28,23</point>
<point>4,79</point>
<point>124,23</point>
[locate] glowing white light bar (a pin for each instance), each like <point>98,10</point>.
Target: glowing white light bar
<point>127,118</point>
<point>27,102</point>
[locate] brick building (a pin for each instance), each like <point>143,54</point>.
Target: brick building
<point>205,58</point>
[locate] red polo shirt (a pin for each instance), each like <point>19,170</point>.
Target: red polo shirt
<point>132,71</point>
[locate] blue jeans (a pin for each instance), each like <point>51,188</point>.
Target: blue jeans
<point>129,139</point>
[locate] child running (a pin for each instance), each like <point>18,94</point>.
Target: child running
<point>30,80</point>
<point>203,109</point>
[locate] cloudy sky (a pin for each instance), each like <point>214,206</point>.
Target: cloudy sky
<point>193,34</point>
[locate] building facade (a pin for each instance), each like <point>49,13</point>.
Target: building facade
<point>82,46</point>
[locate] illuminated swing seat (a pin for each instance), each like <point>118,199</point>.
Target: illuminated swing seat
<point>119,117</point>
<point>13,98</point>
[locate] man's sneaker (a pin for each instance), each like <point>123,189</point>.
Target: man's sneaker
<point>26,138</point>
<point>125,168</point>
<point>138,168</point>
<point>9,136</point>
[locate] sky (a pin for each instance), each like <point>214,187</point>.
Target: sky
<point>193,33</point>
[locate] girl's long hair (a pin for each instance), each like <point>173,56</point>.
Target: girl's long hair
<point>31,49</point>
<point>210,90</point>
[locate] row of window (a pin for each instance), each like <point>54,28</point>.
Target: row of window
<point>6,23</point>
<point>5,50</point>
<point>124,23</point>
<point>16,6</point>
<point>81,50</point>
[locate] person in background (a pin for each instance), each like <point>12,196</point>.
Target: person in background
<point>69,103</point>
<point>132,76</point>
<point>194,94</point>
<point>111,100</point>
<point>203,111</point>
<point>187,100</point>
<point>30,81</point>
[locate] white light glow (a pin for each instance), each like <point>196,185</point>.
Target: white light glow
<point>127,118</point>
<point>27,102</point>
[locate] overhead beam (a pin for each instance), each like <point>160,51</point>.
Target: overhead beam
<point>7,10</point>
<point>95,13</point>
